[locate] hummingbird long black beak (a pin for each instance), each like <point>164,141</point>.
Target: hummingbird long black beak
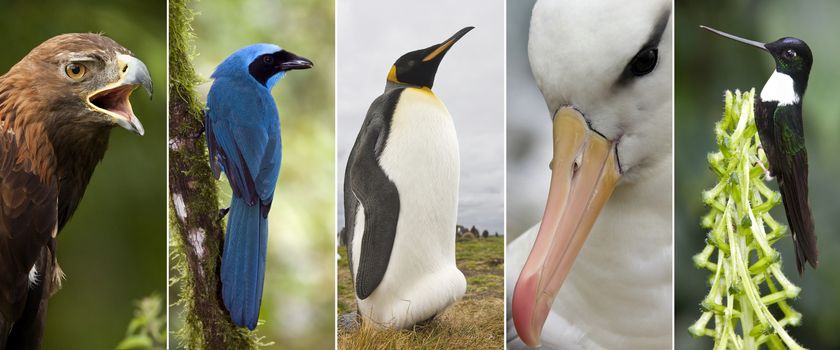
<point>749,42</point>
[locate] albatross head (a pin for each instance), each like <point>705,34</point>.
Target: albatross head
<point>604,68</point>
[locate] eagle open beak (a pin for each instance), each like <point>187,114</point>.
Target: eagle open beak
<point>584,173</point>
<point>113,99</point>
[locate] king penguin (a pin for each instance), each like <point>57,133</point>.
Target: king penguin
<point>401,198</point>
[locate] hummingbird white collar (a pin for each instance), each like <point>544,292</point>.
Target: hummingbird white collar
<point>779,88</point>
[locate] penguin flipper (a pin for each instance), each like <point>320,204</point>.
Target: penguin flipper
<point>378,196</point>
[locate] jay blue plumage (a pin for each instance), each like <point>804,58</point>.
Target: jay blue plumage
<point>243,138</point>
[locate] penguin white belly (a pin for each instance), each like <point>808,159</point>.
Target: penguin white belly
<point>421,158</point>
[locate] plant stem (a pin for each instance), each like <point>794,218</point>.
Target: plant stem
<point>739,212</point>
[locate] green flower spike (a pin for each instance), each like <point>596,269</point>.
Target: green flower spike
<point>746,273</point>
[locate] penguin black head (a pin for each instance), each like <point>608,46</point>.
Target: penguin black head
<point>793,56</point>
<point>267,65</point>
<point>418,68</point>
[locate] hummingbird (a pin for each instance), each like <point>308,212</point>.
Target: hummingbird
<point>778,118</point>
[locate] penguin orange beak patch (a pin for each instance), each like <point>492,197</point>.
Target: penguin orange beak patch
<point>584,173</point>
<point>442,48</point>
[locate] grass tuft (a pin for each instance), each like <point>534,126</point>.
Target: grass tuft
<point>475,322</point>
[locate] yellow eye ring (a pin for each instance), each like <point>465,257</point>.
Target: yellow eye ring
<point>75,71</point>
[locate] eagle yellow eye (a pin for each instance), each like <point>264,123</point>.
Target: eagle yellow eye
<point>75,71</point>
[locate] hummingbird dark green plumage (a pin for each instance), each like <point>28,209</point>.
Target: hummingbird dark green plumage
<point>778,118</point>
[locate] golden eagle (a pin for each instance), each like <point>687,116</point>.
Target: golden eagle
<point>57,108</point>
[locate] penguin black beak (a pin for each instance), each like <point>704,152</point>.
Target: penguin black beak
<point>439,50</point>
<point>754,43</point>
<point>292,62</point>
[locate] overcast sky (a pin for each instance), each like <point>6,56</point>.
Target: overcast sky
<point>470,81</point>
<point>528,128</point>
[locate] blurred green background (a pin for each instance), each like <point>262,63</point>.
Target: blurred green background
<point>113,250</point>
<point>706,66</point>
<point>299,300</point>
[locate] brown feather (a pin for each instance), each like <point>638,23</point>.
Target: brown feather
<point>50,143</point>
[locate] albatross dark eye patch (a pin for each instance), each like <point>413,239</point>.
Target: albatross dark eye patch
<point>646,59</point>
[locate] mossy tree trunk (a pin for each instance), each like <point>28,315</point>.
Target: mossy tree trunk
<point>196,241</point>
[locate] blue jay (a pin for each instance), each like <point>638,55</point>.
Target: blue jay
<point>243,138</point>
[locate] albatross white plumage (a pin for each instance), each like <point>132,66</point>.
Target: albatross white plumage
<point>597,271</point>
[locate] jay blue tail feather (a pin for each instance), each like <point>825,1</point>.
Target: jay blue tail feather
<point>243,262</point>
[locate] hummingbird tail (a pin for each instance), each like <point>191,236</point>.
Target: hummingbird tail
<point>794,188</point>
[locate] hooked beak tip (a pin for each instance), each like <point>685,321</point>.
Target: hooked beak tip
<point>132,124</point>
<point>135,72</point>
<point>528,316</point>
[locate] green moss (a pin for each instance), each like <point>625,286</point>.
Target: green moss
<point>748,291</point>
<point>182,77</point>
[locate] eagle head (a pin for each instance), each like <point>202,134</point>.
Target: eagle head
<point>80,80</point>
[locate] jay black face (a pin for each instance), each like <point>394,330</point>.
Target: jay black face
<point>266,66</point>
<point>419,67</point>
